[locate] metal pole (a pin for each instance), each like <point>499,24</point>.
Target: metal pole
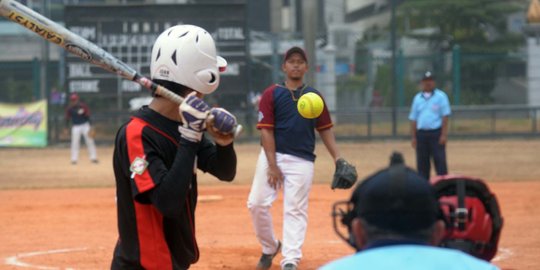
<point>275,57</point>
<point>399,74</point>
<point>44,57</point>
<point>394,81</point>
<point>36,77</point>
<point>309,30</point>
<point>456,74</point>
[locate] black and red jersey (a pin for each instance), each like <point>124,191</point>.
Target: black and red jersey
<point>156,189</point>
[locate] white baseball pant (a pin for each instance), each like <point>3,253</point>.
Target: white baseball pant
<point>76,132</point>
<point>298,176</point>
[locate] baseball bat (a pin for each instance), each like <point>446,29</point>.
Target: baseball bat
<point>82,48</point>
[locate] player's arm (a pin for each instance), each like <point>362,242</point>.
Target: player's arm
<point>413,115</point>
<point>172,185</point>
<point>220,161</point>
<point>329,140</point>
<point>266,126</point>
<point>275,176</point>
<point>446,111</point>
<point>324,126</point>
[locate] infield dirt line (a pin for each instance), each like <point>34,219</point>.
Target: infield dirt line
<point>15,260</point>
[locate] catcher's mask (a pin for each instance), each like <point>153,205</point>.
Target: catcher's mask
<point>396,199</point>
<point>471,213</point>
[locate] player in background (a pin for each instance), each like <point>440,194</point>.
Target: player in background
<point>79,114</point>
<point>158,152</point>
<point>429,127</point>
<point>286,160</point>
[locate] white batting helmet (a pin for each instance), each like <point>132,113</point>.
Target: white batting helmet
<point>186,55</point>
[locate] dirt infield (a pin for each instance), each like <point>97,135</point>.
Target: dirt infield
<point>56,215</point>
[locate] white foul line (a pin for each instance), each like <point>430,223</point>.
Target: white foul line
<point>14,260</point>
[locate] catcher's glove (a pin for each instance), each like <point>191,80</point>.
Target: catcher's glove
<point>345,175</point>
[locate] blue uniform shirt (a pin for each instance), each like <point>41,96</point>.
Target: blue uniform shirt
<point>429,112</point>
<point>409,257</point>
<point>293,134</point>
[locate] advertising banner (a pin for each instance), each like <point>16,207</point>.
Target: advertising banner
<point>23,124</point>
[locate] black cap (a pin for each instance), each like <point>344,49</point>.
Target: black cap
<point>294,50</point>
<point>396,199</point>
<point>428,75</point>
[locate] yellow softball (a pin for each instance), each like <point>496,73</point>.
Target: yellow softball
<point>310,105</point>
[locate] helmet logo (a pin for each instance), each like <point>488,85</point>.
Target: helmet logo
<point>164,73</point>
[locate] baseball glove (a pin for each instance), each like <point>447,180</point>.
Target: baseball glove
<point>345,175</point>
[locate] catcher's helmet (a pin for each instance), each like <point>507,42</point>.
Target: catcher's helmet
<point>471,213</point>
<point>186,55</point>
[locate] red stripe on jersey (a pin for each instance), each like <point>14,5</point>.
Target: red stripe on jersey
<point>144,181</point>
<point>156,130</point>
<point>268,126</point>
<point>325,127</point>
<point>154,252</point>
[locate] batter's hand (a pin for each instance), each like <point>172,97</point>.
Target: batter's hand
<point>193,112</point>
<point>224,121</point>
<point>220,138</point>
<point>275,177</point>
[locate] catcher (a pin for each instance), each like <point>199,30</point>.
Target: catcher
<point>286,160</point>
<point>393,221</point>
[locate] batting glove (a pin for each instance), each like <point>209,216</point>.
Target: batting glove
<point>224,121</point>
<point>193,112</point>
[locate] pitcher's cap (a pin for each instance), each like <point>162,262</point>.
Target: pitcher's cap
<point>294,50</point>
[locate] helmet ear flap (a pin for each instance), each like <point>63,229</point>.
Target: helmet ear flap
<point>208,77</point>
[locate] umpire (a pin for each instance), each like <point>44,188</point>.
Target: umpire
<point>429,126</point>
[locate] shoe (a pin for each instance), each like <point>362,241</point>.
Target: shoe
<point>289,266</point>
<point>266,259</point>
<point>95,161</point>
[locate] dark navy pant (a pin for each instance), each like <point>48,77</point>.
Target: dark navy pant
<point>428,147</point>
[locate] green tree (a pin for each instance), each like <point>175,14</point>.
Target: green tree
<point>477,26</point>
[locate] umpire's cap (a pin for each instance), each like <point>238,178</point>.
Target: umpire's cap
<point>396,199</point>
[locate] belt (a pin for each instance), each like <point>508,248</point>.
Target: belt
<point>429,130</point>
